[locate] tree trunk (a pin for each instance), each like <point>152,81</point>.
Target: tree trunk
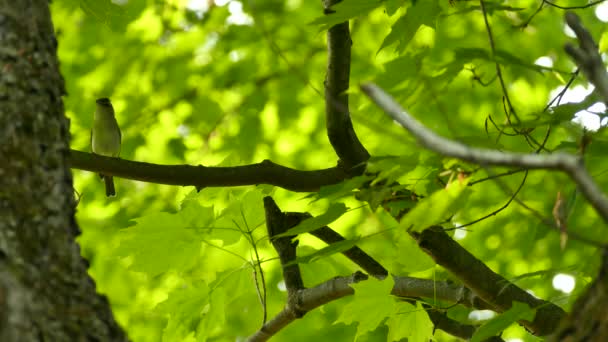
<point>45,292</point>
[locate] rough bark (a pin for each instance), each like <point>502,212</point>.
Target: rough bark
<point>45,292</point>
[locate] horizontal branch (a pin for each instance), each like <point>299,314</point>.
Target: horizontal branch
<point>568,163</point>
<point>201,176</point>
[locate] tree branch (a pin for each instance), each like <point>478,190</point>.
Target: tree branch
<point>491,287</point>
<point>340,129</point>
<point>451,326</point>
<point>200,176</point>
<point>338,287</point>
<point>587,56</point>
<point>309,299</point>
<point>301,300</point>
<point>568,163</point>
<point>278,223</point>
<point>354,254</point>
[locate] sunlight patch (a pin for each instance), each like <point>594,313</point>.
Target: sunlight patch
<point>544,61</point>
<point>481,315</point>
<point>601,11</point>
<point>564,282</point>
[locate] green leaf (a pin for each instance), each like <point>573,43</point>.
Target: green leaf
<point>375,196</point>
<point>404,29</point>
<point>399,71</point>
<point>342,189</point>
<point>468,54</point>
<point>193,310</point>
<point>566,111</point>
<point>116,17</point>
<point>389,168</point>
<point>503,57</point>
<point>371,304</point>
<point>559,114</point>
<point>435,208</point>
<point>603,44</point>
<point>332,249</point>
<point>346,10</point>
<point>519,311</point>
<point>333,213</point>
<point>160,242</point>
<point>411,322</point>
<point>507,58</point>
<point>244,214</point>
<point>416,260</point>
<point>392,6</point>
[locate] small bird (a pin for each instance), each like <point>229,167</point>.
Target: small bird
<point>106,137</point>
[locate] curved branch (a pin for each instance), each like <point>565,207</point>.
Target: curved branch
<point>201,176</point>
<point>340,129</point>
<point>568,163</point>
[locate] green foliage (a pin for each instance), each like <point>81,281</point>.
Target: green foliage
<point>436,208</point>
<point>409,321</point>
<point>371,305</point>
<point>334,248</point>
<point>493,327</point>
<point>333,213</point>
<point>403,30</point>
<point>239,83</point>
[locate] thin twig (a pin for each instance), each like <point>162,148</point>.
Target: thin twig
<point>568,163</point>
<point>521,185</point>
<point>508,173</point>
<point>573,7</point>
<point>505,93</point>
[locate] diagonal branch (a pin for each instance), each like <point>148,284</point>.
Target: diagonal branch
<point>489,286</point>
<point>568,163</point>
<point>340,129</point>
<point>201,176</point>
<point>587,56</point>
<point>354,254</point>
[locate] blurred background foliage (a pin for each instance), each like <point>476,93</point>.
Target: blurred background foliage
<point>235,82</point>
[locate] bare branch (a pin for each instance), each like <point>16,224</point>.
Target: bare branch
<point>568,163</point>
<point>200,176</point>
<point>309,299</point>
<point>587,56</point>
<point>336,288</point>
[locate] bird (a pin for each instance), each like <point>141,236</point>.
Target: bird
<point>106,137</point>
